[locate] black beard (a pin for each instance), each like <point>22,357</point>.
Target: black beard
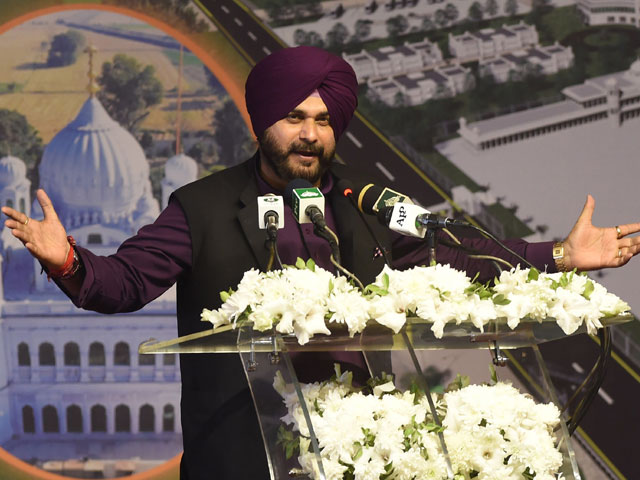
<point>278,159</point>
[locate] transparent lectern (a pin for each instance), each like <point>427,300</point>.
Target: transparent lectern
<point>265,353</point>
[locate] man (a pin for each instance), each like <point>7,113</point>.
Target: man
<point>300,100</point>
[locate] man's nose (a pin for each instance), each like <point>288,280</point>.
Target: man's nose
<point>309,130</point>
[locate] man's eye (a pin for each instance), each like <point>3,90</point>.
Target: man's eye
<point>294,117</point>
<point>322,121</point>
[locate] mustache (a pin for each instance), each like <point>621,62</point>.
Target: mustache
<point>305,149</point>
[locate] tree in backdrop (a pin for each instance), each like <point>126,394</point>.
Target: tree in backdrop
<point>337,36</point>
<point>440,18</point>
<point>65,48</point>
<point>397,25</point>
<point>427,23</point>
<point>315,39</point>
<point>19,139</point>
<point>231,134</point>
<point>511,7</point>
<point>300,37</point>
<point>362,29</point>
<point>475,13</point>
<point>491,8</point>
<point>451,11</point>
<point>128,90</point>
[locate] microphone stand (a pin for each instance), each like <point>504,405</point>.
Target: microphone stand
<point>431,245</point>
<point>272,238</point>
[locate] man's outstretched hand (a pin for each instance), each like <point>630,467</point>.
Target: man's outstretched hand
<point>46,239</point>
<point>589,248</point>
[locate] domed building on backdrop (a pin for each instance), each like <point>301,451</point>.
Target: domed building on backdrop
<point>74,384</point>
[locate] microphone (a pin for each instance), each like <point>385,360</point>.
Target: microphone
<point>346,187</point>
<point>413,220</point>
<point>307,203</point>
<point>270,213</point>
<point>372,198</point>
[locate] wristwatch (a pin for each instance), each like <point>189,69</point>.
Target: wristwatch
<point>558,256</point>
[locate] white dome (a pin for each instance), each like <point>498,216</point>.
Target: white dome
<point>635,67</point>
<point>12,170</point>
<point>93,169</point>
<point>181,169</point>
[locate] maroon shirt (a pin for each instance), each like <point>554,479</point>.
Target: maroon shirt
<point>150,262</point>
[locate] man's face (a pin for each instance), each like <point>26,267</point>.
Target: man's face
<point>301,145</point>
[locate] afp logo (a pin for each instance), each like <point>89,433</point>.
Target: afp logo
<point>402,215</point>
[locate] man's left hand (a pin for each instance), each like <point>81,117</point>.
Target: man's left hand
<point>590,248</point>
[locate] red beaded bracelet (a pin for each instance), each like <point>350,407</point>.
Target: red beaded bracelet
<point>70,266</point>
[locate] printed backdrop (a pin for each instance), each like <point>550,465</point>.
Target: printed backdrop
<point>509,111</point>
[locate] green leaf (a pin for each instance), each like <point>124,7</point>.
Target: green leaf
<point>385,281</point>
<point>359,451</point>
<point>373,289</point>
<point>588,290</point>
<point>534,274</point>
<point>458,383</point>
<point>331,285</point>
<point>300,265</point>
<point>500,299</point>
<point>289,442</point>
<point>369,438</point>
<point>224,296</point>
<point>388,469</point>
<point>311,265</point>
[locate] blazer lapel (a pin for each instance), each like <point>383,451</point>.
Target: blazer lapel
<point>248,219</point>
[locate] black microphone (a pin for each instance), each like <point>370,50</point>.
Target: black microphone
<point>372,198</point>
<point>346,188</point>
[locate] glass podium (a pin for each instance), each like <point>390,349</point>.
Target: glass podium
<point>264,354</point>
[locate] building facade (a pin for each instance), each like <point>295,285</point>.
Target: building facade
<point>613,98</point>
<point>609,12</point>
<point>74,385</point>
<point>543,60</point>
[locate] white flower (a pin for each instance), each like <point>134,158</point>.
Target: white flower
<point>492,430</point>
<point>300,301</point>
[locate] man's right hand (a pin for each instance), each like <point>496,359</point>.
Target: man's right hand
<point>46,239</point>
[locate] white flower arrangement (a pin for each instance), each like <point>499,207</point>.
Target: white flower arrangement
<point>491,431</point>
<point>305,299</point>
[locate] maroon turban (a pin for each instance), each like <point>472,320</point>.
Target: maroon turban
<point>284,79</point>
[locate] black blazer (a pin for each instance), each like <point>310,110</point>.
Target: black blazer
<point>220,429</point>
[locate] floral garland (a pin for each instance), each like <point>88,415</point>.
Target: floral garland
<point>491,431</point>
<point>303,299</point>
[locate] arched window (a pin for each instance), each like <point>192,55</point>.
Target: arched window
<point>74,419</point>
<point>121,354</point>
<point>147,418</point>
<point>71,354</point>
<point>96,354</point>
<point>23,205</point>
<point>94,239</point>
<point>123,419</point>
<point>24,359</point>
<point>169,359</point>
<point>46,354</point>
<point>168,418</point>
<point>28,420</point>
<point>50,423</point>
<point>98,419</point>
<point>9,203</point>
<point>146,359</point>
